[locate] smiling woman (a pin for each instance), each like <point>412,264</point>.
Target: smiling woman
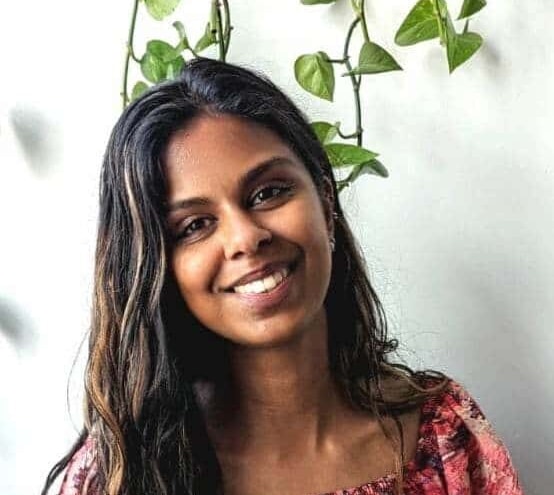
<point>252,257</point>
<point>237,346</point>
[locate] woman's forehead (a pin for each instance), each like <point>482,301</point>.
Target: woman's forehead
<point>215,148</point>
<point>212,135</point>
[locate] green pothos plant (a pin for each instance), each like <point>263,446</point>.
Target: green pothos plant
<point>315,72</point>
<point>427,20</point>
<point>162,60</point>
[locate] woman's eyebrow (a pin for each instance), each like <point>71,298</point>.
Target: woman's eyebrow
<point>262,168</point>
<point>183,204</point>
<point>244,181</point>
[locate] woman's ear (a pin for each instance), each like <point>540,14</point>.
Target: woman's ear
<point>328,201</point>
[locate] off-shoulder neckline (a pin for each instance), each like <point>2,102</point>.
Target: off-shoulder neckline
<point>428,413</point>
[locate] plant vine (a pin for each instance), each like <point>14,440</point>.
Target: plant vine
<point>162,60</point>
<point>314,72</point>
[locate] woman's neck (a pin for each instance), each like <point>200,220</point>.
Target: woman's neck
<point>277,399</point>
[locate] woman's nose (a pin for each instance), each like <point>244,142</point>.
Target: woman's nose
<point>243,235</point>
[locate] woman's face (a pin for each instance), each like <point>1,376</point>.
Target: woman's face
<point>251,254</point>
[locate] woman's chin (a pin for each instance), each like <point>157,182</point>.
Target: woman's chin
<point>281,331</point>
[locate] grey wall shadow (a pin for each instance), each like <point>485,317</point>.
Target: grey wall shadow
<point>16,326</point>
<point>38,136</point>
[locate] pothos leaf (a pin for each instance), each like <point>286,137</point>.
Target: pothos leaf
<point>315,74</point>
<point>344,155</point>
<point>471,7</point>
<point>419,25</point>
<point>161,61</point>
<point>461,48</point>
<point>374,167</point>
<point>139,88</point>
<point>374,59</point>
<point>160,9</point>
<point>162,50</point>
<point>325,131</point>
<point>174,68</point>
<point>153,68</point>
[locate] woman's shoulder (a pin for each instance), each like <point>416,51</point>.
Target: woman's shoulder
<point>81,476</point>
<point>457,439</point>
<point>450,399</point>
<point>454,409</point>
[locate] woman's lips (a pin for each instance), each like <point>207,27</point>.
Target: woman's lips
<point>266,300</point>
<point>258,274</point>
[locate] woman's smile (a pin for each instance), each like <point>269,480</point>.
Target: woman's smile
<point>250,254</point>
<point>261,279</point>
<point>266,293</point>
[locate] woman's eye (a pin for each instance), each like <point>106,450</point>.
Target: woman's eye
<point>194,227</point>
<point>268,193</point>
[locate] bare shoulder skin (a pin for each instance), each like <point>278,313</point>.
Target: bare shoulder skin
<point>352,451</point>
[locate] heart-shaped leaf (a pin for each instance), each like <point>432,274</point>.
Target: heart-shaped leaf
<point>470,7</point>
<point>344,155</point>
<point>325,131</point>
<point>160,9</point>
<point>162,50</point>
<point>139,88</point>
<point>153,68</point>
<point>420,25</point>
<point>374,59</point>
<point>316,75</point>
<point>461,47</point>
<point>173,68</point>
<point>373,167</point>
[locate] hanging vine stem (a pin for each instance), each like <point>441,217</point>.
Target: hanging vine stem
<point>361,15</point>
<point>130,54</point>
<point>359,9</point>
<point>228,27</point>
<point>223,33</point>
<point>355,82</point>
<point>345,60</point>
<point>305,65</point>
<point>356,87</point>
<point>220,40</point>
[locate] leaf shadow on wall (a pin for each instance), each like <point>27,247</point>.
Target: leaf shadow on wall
<point>38,136</point>
<point>15,327</point>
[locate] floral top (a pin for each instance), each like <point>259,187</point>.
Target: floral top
<point>458,453</point>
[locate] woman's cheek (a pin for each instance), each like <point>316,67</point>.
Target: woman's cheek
<point>194,269</point>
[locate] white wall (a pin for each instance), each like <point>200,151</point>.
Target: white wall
<point>459,239</point>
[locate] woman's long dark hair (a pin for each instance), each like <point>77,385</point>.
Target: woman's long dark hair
<point>146,350</point>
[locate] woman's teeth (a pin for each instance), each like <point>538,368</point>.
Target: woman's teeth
<point>264,284</point>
